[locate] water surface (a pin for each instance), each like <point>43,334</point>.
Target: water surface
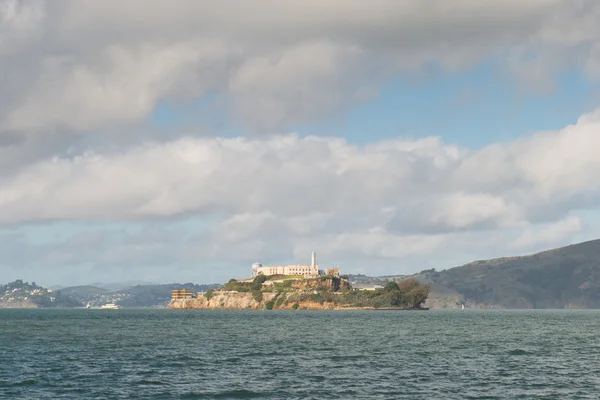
<point>203,354</point>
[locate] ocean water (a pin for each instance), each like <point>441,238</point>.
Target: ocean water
<point>199,354</point>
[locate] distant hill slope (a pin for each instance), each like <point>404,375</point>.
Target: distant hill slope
<point>134,296</point>
<point>568,277</point>
<point>121,285</point>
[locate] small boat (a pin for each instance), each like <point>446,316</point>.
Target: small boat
<point>463,307</point>
<point>88,305</point>
<point>109,306</point>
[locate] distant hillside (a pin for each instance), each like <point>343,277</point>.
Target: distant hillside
<point>135,296</point>
<point>19,294</point>
<point>112,286</point>
<point>568,277</point>
<point>77,291</point>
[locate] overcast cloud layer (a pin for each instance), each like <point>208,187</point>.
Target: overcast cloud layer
<point>80,79</point>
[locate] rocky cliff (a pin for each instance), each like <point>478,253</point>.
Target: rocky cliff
<point>246,301</point>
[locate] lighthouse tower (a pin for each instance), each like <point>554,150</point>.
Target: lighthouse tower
<point>313,259</point>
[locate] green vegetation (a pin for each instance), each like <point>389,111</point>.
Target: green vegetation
<point>257,295</point>
<point>269,305</point>
<point>285,286</point>
<point>258,281</point>
<point>409,294</point>
<point>391,286</point>
<point>236,286</point>
<point>209,294</point>
<point>285,277</point>
<point>279,302</point>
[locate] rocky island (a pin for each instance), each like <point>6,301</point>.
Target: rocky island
<point>294,292</point>
<point>301,287</point>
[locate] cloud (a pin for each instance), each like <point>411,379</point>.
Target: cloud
<point>416,186</point>
<point>64,70</point>
<point>300,84</point>
<point>548,235</point>
<point>124,87</point>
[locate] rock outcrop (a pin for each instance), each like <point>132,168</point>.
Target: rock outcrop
<point>245,301</point>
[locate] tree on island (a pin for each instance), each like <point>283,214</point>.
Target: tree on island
<point>258,281</point>
<point>391,286</point>
<point>414,292</point>
<point>409,293</point>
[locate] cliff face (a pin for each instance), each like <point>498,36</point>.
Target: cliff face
<point>245,301</point>
<point>223,301</point>
<point>17,304</point>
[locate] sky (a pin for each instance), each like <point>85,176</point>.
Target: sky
<point>182,141</point>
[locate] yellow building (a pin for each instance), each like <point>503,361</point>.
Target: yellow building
<point>180,294</point>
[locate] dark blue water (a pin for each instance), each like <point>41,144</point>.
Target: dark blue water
<point>193,354</point>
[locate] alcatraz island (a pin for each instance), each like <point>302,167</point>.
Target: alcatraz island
<point>302,287</point>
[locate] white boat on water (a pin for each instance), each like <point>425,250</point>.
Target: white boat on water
<point>109,306</point>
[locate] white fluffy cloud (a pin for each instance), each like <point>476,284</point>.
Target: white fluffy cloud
<point>549,234</point>
<point>412,186</point>
<point>84,65</point>
<point>122,86</point>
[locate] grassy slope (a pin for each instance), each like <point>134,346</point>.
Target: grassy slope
<point>559,278</point>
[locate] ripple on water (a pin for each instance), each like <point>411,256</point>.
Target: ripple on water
<point>518,352</point>
<point>139,354</point>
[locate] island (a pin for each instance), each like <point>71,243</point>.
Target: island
<point>302,287</point>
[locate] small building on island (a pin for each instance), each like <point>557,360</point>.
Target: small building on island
<point>180,294</point>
